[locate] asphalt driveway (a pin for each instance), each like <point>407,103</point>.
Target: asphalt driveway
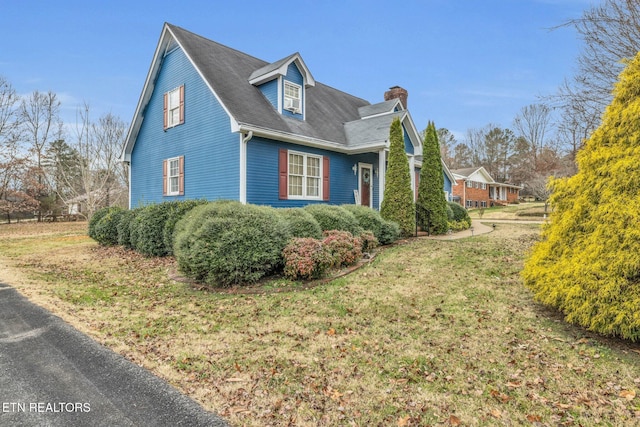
<point>53,375</point>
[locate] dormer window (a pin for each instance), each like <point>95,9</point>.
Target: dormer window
<point>292,97</point>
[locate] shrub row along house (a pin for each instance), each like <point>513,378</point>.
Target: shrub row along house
<point>477,189</point>
<point>216,123</point>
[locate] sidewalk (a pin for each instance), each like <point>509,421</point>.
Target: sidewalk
<point>477,228</point>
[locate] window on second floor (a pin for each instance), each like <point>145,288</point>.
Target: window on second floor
<point>174,107</point>
<point>292,97</point>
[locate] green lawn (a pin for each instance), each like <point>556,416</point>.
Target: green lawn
<point>431,332</point>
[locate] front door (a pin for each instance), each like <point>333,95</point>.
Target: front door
<point>365,184</point>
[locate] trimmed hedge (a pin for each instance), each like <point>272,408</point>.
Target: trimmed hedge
<point>175,213</point>
<point>148,229</point>
<point>301,223</point>
<point>105,230</point>
<point>461,219</point>
<point>332,217</point>
<point>226,243</point>
<point>371,220</point>
<point>124,228</point>
<point>93,221</point>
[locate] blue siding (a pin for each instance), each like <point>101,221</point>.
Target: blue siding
<point>408,146</point>
<point>210,150</point>
<point>262,174</point>
<point>270,91</point>
<point>294,76</point>
<point>448,186</point>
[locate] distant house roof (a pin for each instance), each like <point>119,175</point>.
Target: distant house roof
<point>229,73</point>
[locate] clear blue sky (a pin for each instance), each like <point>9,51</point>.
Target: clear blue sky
<point>465,63</point>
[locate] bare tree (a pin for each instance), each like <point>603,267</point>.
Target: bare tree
<point>40,121</point>
<point>611,34</point>
<point>91,173</point>
<point>532,124</point>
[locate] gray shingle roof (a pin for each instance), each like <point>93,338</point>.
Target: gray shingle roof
<point>228,71</point>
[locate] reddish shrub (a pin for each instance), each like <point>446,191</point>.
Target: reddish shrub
<point>368,241</point>
<point>305,258</point>
<point>345,249</point>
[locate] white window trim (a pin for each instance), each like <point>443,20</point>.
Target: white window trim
<point>170,122</point>
<point>285,97</point>
<point>305,176</point>
<point>169,176</point>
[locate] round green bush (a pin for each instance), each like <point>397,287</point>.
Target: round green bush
<point>389,233</point>
<point>149,226</point>
<point>176,211</point>
<point>93,221</point>
<point>459,213</point>
<point>226,243</point>
<point>301,223</point>
<point>124,228</point>
<point>369,219</point>
<point>332,217</point>
<point>105,230</point>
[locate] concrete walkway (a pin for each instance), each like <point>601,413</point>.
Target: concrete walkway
<point>53,375</point>
<point>482,226</point>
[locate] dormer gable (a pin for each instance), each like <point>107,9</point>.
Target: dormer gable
<point>386,107</point>
<point>284,84</point>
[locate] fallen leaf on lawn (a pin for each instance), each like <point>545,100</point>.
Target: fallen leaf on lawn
<point>534,418</point>
<point>331,332</point>
<point>404,421</point>
<point>235,380</point>
<point>628,394</point>
<point>496,414</point>
<point>454,421</point>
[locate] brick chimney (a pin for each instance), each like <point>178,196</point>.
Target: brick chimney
<point>396,92</point>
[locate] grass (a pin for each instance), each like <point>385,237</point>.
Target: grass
<point>431,332</point>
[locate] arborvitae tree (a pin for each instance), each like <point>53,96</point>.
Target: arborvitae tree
<point>432,205</point>
<point>588,262</point>
<point>397,204</point>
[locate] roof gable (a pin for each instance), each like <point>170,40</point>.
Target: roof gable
<point>279,68</point>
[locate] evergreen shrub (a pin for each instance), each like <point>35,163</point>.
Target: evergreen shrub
<point>332,217</point>
<point>175,212</point>
<point>461,219</point>
<point>106,230</point>
<point>301,223</point>
<point>149,225</point>
<point>389,233</point>
<point>124,228</point>
<point>224,243</point>
<point>93,221</point>
<point>368,219</point>
<point>588,262</point>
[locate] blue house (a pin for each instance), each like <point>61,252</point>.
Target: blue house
<point>216,123</point>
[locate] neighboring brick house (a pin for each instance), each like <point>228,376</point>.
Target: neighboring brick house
<point>477,189</point>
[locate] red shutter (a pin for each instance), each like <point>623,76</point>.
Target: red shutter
<point>182,104</point>
<point>164,177</point>
<point>325,178</point>
<point>165,113</point>
<point>181,176</point>
<point>283,170</point>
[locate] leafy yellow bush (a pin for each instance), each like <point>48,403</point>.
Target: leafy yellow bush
<point>588,261</point>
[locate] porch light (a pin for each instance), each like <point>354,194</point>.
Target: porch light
<point>354,168</point>
<point>375,170</point>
